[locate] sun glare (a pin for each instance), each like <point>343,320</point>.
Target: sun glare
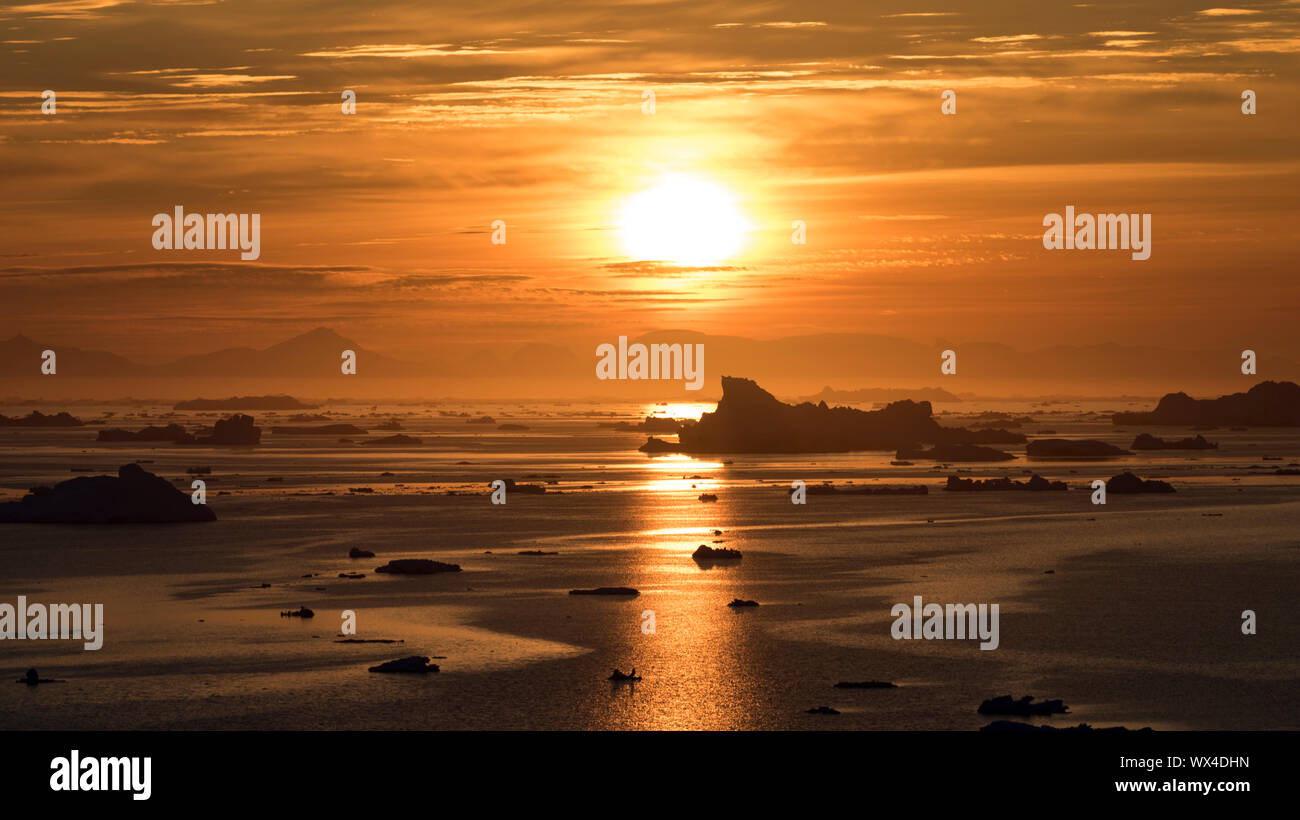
<point>683,220</point>
<point>681,410</point>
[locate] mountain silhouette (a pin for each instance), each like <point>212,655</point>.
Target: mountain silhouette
<point>317,353</point>
<point>21,356</point>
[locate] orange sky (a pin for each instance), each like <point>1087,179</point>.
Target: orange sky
<point>920,225</point>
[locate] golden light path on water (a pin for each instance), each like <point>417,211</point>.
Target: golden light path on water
<point>687,474</point>
<point>702,652</point>
<point>681,410</point>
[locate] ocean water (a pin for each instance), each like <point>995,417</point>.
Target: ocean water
<point>1138,622</point>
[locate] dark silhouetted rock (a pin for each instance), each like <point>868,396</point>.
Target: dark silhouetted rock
<point>417,566</point>
<point>356,552</point>
<point>352,576</point>
<point>822,710</point>
<point>238,430</point>
<point>707,497</point>
<point>879,394</point>
<point>415,665</point>
<point>1006,705</point>
<point>866,489</point>
<point>1016,727</point>
<point>134,496</point>
<point>1036,483</point>
<point>866,684</point>
<point>1070,448</point>
<point>1267,404</point>
<point>38,419</point>
<point>245,403</point>
<point>657,446</point>
<point>748,419</point>
<point>300,612</point>
<point>527,489</point>
<point>1127,483</point>
<point>320,430</point>
<point>1146,441</point>
<point>738,603</point>
<point>705,553</point>
<point>172,432</point>
<point>536,552</point>
<point>652,424</point>
<point>956,452</point>
<point>620,677</point>
<point>605,591</point>
<point>398,440</point>
<point>33,678</point>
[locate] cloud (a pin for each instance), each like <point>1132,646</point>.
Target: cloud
<point>107,141</point>
<point>786,24</point>
<point>218,80</point>
<point>66,9</point>
<point>901,217</point>
<point>175,268</point>
<point>1011,38</point>
<point>405,51</point>
<point>654,268</point>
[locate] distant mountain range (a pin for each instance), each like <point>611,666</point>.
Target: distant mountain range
<point>846,359</point>
<point>315,354</point>
<point>21,356</point>
<point>845,356</point>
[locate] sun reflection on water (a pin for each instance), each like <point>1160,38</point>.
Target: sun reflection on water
<point>681,410</point>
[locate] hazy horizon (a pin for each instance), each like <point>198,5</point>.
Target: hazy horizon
<point>791,367</point>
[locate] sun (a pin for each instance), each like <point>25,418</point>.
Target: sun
<point>684,220</point>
